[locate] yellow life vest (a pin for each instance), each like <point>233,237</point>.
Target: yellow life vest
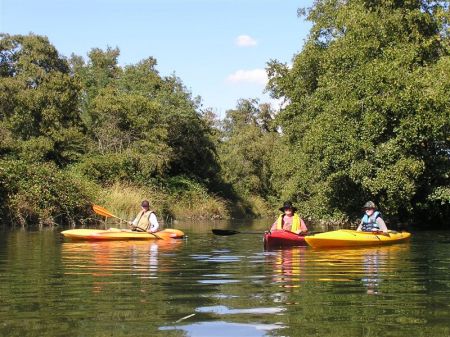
<point>295,222</point>
<point>144,220</point>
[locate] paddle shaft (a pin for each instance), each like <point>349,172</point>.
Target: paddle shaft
<point>227,232</point>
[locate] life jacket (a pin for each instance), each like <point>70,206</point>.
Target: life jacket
<point>369,223</point>
<point>144,221</point>
<point>295,222</point>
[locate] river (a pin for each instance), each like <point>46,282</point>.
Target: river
<point>216,286</point>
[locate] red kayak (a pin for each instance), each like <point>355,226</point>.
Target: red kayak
<point>282,238</point>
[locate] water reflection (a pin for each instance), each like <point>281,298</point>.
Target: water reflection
<point>372,262</point>
<point>288,266</point>
<point>224,310</point>
<point>105,258</point>
<point>221,286</point>
<point>225,329</point>
<point>366,264</point>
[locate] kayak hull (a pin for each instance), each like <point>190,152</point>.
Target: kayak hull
<point>282,238</point>
<point>120,234</point>
<point>345,238</point>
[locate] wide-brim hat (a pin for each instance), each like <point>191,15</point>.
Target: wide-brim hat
<point>370,205</point>
<point>288,204</point>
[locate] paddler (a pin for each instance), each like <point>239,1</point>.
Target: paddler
<point>289,220</point>
<point>145,220</point>
<point>372,220</point>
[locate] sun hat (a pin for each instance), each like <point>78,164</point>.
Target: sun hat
<point>288,205</point>
<point>369,205</point>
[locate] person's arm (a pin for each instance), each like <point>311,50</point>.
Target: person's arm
<point>382,225</point>
<point>154,225</point>
<point>303,228</point>
<point>133,224</point>
<point>359,226</point>
<point>274,226</point>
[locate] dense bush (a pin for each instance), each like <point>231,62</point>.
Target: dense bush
<point>42,194</point>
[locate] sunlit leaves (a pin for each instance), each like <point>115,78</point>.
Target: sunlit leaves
<point>368,107</point>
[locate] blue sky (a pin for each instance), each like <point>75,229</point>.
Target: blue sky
<point>219,48</point>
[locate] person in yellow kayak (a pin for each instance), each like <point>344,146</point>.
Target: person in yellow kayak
<point>289,220</point>
<point>372,220</point>
<point>145,220</point>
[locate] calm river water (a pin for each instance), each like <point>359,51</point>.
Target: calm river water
<point>215,286</point>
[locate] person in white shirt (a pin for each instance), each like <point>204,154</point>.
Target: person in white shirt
<point>145,220</point>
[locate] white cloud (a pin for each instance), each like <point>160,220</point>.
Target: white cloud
<point>258,76</point>
<point>246,41</point>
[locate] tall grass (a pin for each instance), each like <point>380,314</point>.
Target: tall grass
<point>124,201</point>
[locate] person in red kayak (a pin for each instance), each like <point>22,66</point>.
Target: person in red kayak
<point>289,220</point>
<point>146,220</point>
<point>371,221</point>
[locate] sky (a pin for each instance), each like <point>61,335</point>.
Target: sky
<point>218,48</point>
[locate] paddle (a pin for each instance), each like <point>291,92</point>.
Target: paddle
<point>104,212</point>
<point>107,214</point>
<point>226,232</point>
<point>370,233</point>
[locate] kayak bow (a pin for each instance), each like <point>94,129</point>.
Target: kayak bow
<point>282,238</point>
<point>350,238</point>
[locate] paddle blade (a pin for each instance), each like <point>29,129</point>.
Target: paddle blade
<point>102,211</point>
<point>225,232</point>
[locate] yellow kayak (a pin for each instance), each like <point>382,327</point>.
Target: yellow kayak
<point>343,238</point>
<point>120,234</point>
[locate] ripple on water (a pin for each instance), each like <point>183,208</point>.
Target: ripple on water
<point>224,310</point>
<point>225,329</point>
<point>218,281</point>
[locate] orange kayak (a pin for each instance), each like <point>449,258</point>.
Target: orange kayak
<point>120,234</point>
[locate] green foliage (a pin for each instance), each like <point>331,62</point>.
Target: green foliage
<point>246,148</point>
<point>367,116</point>
<point>135,110</point>
<point>441,194</point>
<point>39,99</point>
<point>369,110</point>
<point>41,193</point>
<point>95,120</point>
<point>129,165</point>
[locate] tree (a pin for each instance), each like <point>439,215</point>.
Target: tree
<point>367,114</point>
<point>151,120</point>
<point>246,148</point>
<point>38,100</point>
